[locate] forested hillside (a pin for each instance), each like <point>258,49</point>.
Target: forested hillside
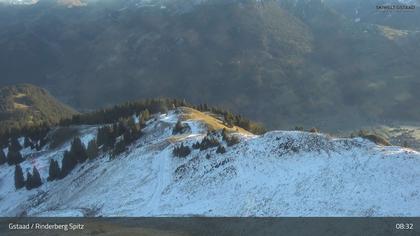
<point>283,63</point>
<point>25,105</point>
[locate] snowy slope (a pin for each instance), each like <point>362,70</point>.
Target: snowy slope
<point>277,174</point>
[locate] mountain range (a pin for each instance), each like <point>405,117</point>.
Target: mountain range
<point>284,63</point>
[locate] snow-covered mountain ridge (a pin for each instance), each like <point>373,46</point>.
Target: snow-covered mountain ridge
<point>280,173</point>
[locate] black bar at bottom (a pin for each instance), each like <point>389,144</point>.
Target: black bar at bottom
<point>162,226</point>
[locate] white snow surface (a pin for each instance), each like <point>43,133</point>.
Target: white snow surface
<point>281,173</point>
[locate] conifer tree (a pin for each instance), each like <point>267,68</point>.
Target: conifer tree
<point>27,143</point>
<point>145,115</point>
<point>3,158</point>
<point>229,119</point>
<point>196,145</point>
<point>208,142</point>
<point>224,134</point>
<point>220,149</point>
<point>38,146</point>
<point>128,137</point>
<point>131,122</point>
<point>100,136</point>
<point>28,183</point>
<point>136,131</point>
<point>36,178</point>
<point>179,128</point>
<point>19,180</point>
<point>119,128</point>
<point>110,138</point>
<point>54,171</point>
<point>92,149</point>
<point>229,139</point>
<point>106,137</point>
<point>14,157</point>
<point>68,164</point>
<point>313,130</point>
<point>119,148</point>
<point>15,145</point>
<point>42,142</point>
<point>181,151</point>
<point>78,150</point>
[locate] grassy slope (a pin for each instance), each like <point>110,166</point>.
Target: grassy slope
<point>212,121</point>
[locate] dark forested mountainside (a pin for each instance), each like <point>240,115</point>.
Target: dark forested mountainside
<point>25,105</point>
<point>284,63</point>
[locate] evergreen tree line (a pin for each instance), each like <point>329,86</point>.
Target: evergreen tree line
<point>33,180</point>
<point>125,110</point>
<point>231,119</point>
<point>78,154</point>
<point>13,156</point>
<point>181,151</point>
<point>35,135</point>
<point>311,130</point>
<point>152,106</point>
<point>180,128</point>
<point>127,130</point>
<point>207,142</point>
<point>14,147</point>
<point>229,139</point>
